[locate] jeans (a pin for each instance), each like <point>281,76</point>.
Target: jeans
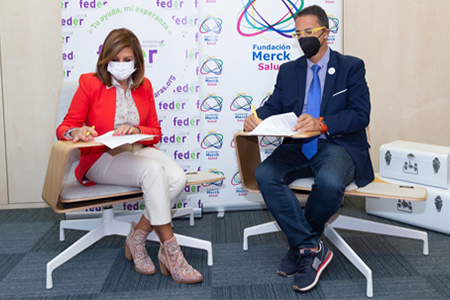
<point>333,169</point>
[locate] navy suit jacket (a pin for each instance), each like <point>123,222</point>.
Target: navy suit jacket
<point>345,105</point>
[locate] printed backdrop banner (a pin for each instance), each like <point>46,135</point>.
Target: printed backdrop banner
<point>168,32</point>
<point>241,46</point>
<point>208,61</point>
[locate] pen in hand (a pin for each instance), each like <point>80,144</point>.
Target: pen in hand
<point>93,127</point>
<point>254,111</point>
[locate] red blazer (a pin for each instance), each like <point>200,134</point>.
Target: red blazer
<point>93,104</point>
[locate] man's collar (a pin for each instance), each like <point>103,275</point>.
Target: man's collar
<point>323,61</point>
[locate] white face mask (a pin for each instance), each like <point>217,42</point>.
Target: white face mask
<point>121,70</point>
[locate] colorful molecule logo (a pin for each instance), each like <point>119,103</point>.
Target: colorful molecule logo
<point>241,101</point>
<point>232,140</point>
<point>264,100</point>
<point>212,102</point>
<point>216,183</point>
<point>212,65</point>
<point>211,24</point>
<point>335,21</point>
<point>212,139</point>
<point>236,179</point>
<point>267,141</point>
<point>251,21</point>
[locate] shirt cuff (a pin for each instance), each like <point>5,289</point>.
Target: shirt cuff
<point>67,134</point>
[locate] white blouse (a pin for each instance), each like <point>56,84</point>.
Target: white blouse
<point>126,111</point>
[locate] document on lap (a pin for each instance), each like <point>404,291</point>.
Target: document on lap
<point>112,142</point>
<point>277,125</point>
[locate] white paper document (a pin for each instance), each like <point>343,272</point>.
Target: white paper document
<point>277,125</point>
<point>112,142</point>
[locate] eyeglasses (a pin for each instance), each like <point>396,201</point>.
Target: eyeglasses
<point>307,32</point>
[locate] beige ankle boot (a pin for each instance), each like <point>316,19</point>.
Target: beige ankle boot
<point>135,250</point>
<point>172,262</point>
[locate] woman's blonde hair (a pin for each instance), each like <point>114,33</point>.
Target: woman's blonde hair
<point>113,44</point>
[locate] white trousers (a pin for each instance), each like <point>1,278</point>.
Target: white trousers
<point>161,179</point>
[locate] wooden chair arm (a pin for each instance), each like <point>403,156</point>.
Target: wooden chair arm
<point>57,163</point>
<point>248,157</point>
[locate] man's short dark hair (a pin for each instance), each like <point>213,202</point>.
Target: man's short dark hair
<point>317,11</point>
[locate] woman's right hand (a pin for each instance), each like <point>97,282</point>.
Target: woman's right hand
<point>84,133</point>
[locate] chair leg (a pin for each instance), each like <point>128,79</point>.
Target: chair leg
<point>108,226</point>
<point>180,212</point>
<point>259,229</point>
<point>80,224</point>
<point>351,255</point>
<point>190,242</point>
<point>197,244</point>
<point>87,240</point>
<point>355,224</point>
<point>129,216</point>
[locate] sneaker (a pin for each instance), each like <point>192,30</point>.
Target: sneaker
<point>289,264</point>
<point>311,265</point>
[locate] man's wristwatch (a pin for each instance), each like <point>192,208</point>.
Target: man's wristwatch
<point>323,125</point>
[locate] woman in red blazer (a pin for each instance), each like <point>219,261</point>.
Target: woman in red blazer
<point>118,97</point>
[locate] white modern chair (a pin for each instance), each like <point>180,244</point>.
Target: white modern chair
<point>63,193</point>
<point>248,156</point>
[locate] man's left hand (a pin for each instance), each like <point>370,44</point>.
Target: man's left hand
<point>307,123</point>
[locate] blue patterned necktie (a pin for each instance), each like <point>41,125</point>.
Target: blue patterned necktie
<point>313,109</point>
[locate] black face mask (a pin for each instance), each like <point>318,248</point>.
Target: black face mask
<point>310,45</point>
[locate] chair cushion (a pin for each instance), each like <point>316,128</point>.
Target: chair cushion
<point>72,189</point>
<point>308,181</point>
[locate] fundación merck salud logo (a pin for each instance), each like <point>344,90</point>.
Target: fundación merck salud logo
<point>212,102</point>
<point>264,100</point>
<point>252,22</point>
<point>212,139</point>
<point>267,141</point>
<point>214,187</point>
<point>257,18</point>
<point>211,27</point>
<point>237,182</point>
<point>212,142</point>
<point>217,183</point>
<point>211,106</point>
<point>241,102</point>
<point>212,65</point>
<point>211,24</point>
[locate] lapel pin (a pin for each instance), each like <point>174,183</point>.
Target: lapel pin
<point>331,71</point>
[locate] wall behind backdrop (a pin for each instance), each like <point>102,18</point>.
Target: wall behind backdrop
<point>407,67</point>
<point>405,61</point>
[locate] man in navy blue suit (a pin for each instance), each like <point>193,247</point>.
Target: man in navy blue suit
<point>328,92</point>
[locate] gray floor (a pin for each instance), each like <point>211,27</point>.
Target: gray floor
<point>29,239</point>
